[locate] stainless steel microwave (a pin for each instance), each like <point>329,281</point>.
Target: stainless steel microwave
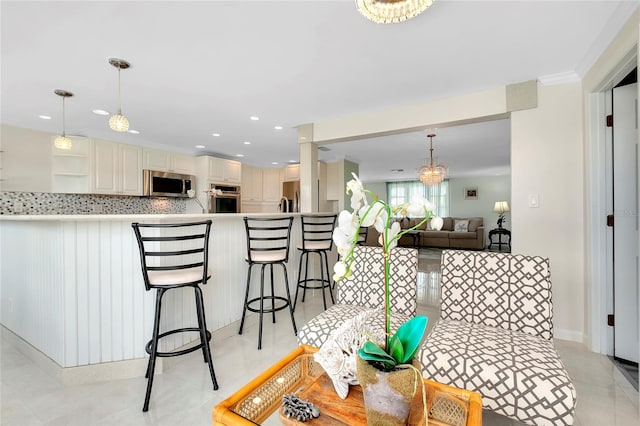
<point>166,184</point>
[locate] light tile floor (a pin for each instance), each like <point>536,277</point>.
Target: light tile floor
<point>183,395</point>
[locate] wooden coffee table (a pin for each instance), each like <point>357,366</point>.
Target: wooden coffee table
<point>298,373</point>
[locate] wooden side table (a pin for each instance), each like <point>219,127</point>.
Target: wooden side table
<point>299,373</point>
<point>499,232</point>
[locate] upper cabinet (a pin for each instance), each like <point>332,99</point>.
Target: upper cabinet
<point>292,173</point>
<point>271,187</point>
<point>71,168</point>
<point>251,183</point>
<point>220,170</point>
<point>165,161</point>
<point>117,168</point>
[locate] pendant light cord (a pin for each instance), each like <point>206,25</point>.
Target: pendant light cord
<point>63,118</point>
<point>119,94</point>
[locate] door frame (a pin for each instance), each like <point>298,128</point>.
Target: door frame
<point>599,293</point>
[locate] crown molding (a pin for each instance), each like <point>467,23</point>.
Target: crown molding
<point>559,78</point>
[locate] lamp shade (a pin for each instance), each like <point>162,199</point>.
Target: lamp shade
<point>501,207</point>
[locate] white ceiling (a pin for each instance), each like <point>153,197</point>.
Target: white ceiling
<point>207,66</point>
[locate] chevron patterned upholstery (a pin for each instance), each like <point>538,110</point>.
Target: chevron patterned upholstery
<point>495,337</point>
<point>364,289</point>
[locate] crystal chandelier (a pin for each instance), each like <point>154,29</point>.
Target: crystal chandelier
<point>119,122</point>
<point>62,141</point>
<point>430,174</point>
<point>391,11</point>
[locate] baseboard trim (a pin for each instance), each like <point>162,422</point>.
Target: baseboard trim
<point>572,336</point>
<point>83,374</point>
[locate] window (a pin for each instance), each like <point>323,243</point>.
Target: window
<point>401,192</point>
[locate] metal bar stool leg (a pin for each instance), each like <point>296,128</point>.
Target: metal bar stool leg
<point>306,275</point>
<point>261,306</point>
<point>286,286</point>
<point>326,265</point>
<point>322,286</point>
<point>204,338</point>
<point>154,349</point>
<point>246,298</point>
<point>273,294</point>
<point>295,299</point>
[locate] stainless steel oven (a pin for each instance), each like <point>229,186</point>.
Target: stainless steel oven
<point>225,199</point>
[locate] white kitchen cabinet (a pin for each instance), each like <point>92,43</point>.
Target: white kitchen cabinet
<point>271,188</point>
<point>292,173</point>
<point>219,170</point>
<point>117,168</point>
<point>71,168</point>
<point>251,183</point>
<point>167,161</point>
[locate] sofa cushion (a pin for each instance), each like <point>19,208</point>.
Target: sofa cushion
<point>474,223</point>
<point>463,235</point>
<point>424,226</point>
<point>447,224</point>
<point>461,225</point>
<point>435,234</point>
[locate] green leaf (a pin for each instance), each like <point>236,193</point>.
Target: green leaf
<point>396,350</point>
<point>410,334</point>
<point>372,352</point>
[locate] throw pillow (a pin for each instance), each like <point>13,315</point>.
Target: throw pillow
<point>435,224</point>
<point>338,354</point>
<point>461,225</point>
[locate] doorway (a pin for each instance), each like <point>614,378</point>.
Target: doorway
<point>623,198</point>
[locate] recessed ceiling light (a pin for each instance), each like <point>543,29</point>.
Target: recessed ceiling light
<point>135,132</point>
<point>292,161</point>
<point>45,117</point>
<point>247,143</point>
<point>278,127</point>
<point>200,146</point>
<point>397,170</point>
<point>216,134</point>
<point>274,162</point>
<point>239,155</point>
<point>100,112</point>
<point>254,118</point>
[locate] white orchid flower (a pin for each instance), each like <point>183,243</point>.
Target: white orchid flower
<point>369,214</point>
<point>391,234</point>
<point>191,193</point>
<point>339,270</point>
<point>419,206</point>
<point>381,220</point>
<point>358,196</point>
<point>344,234</point>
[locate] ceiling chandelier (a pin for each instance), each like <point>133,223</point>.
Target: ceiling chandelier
<point>62,141</point>
<point>430,174</point>
<point>119,122</point>
<point>391,11</point>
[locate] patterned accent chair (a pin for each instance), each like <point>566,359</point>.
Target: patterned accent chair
<point>364,290</point>
<point>495,336</point>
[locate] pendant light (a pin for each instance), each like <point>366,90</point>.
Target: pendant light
<point>119,122</point>
<point>430,174</point>
<point>391,11</point>
<point>62,141</point>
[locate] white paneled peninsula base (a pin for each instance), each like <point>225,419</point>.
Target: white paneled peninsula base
<point>72,287</point>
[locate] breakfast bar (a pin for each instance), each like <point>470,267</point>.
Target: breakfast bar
<point>72,288</point>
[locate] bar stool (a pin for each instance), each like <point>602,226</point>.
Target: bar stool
<point>175,256</point>
<point>317,237</point>
<point>267,245</point>
<point>363,232</point>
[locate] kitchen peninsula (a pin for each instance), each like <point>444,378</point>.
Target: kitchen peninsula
<point>72,286</point>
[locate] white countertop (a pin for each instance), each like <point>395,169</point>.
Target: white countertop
<point>138,217</point>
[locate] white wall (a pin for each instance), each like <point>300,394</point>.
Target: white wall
<point>490,190</point>
<point>547,161</point>
<point>378,188</point>
<point>19,145</point>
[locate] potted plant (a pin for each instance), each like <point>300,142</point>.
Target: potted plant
<point>376,363</point>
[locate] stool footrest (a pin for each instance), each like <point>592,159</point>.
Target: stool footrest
<point>182,351</point>
<point>265,309</point>
<point>321,283</point>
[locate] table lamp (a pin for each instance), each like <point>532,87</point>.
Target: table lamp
<point>501,207</point>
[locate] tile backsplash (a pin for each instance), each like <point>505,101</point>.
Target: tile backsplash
<point>35,203</point>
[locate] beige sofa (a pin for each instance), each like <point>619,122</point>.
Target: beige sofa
<point>447,237</point>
